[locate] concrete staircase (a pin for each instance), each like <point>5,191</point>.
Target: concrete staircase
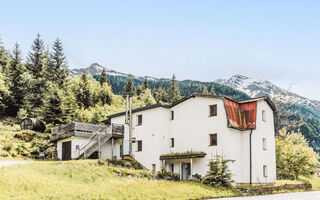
<point>128,157</point>
<point>93,145</point>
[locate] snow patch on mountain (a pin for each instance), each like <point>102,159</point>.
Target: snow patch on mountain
<point>260,87</point>
<point>96,69</point>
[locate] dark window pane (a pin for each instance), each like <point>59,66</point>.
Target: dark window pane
<point>213,110</point>
<point>213,140</point>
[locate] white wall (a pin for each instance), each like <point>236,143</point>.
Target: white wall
<point>191,128</point>
<point>105,148</point>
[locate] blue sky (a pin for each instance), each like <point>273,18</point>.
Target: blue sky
<point>201,40</point>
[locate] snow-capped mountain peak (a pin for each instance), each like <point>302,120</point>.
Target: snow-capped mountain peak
<point>96,69</point>
<point>260,87</point>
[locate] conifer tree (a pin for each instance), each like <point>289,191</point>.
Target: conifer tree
<point>103,77</point>
<point>17,87</point>
<point>69,104</point>
<point>160,95</point>
<point>145,84</point>
<point>57,69</point>
<point>35,58</point>
<point>37,61</point>
<point>53,109</point>
<point>4,59</point>
<point>203,89</point>
<point>105,93</point>
<point>218,175</point>
<point>129,88</point>
<point>83,94</point>
<point>174,91</point>
<point>4,93</point>
<point>212,91</point>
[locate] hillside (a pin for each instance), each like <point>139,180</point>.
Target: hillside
<point>295,112</point>
<point>86,180</point>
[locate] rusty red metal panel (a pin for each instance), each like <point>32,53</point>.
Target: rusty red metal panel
<point>241,115</point>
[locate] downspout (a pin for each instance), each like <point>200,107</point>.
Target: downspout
<point>250,141</point>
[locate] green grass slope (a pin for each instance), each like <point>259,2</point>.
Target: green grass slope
<point>87,180</point>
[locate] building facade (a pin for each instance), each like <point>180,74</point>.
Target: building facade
<point>185,136</point>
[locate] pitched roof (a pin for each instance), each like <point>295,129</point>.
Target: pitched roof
<point>193,96</point>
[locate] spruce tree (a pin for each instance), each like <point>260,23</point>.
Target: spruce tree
<point>160,95</point>
<point>83,94</point>
<point>53,108</point>
<point>4,59</point>
<point>4,93</point>
<point>145,84</point>
<point>57,69</point>
<point>37,61</point>
<point>218,175</point>
<point>129,88</point>
<point>203,89</point>
<point>36,57</point>
<point>174,91</point>
<point>212,91</point>
<point>103,77</point>
<point>17,87</point>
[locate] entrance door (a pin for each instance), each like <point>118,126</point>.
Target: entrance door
<point>66,150</point>
<point>185,171</point>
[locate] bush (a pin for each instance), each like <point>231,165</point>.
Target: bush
<point>294,156</point>
<point>121,163</point>
<point>167,175</point>
<point>218,174</point>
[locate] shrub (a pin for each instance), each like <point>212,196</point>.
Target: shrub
<point>294,156</point>
<point>167,175</point>
<point>218,174</point>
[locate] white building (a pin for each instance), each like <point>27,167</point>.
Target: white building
<point>209,125</point>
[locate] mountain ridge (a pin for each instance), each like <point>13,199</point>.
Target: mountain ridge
<point>250,86</point>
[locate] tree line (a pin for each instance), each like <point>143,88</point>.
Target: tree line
<point>39,85</point>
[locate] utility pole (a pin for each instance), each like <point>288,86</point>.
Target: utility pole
<point>128,120</point>
<point>130,127</point>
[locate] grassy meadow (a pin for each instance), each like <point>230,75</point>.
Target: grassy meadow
<point>87,180</point>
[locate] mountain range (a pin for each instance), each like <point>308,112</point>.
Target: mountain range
<point>250,86</point>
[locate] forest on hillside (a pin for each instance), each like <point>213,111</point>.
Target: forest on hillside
<point>39,85</point>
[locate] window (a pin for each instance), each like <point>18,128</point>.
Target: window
<point>139,122</point>
<point>139,145</point>
<point>172,115</point>
<point>172,142</point>
<point>213,110</point>
<point>265,171</point>
<point>213,140</point>
<point>264,117</point>
<point>172,167</point>
<point>264,143</point>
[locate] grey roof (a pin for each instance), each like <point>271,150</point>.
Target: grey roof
<point>266,98</point>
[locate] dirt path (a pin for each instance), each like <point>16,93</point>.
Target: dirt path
<point>13,163</point>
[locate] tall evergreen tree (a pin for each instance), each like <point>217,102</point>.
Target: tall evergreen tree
<point>37,61</point>
<point>129,88</point>
<point>53,109</point>
<point>103,77</point>
<point>83,94</point>
<point>160,95</point>
<point>57,69</point>
<point>203,89</point>
<point>145,84</point>
<point>36,57</point>
<point>212,91</point>
<point>4,59</point>
<point>4,93</point>
<point>174,91</point>
<point>17,87</point>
